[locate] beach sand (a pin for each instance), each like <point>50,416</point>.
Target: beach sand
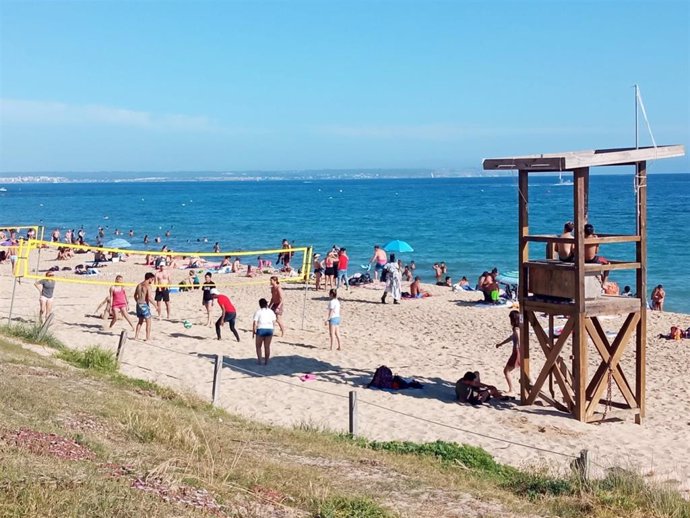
<point>434,340</point>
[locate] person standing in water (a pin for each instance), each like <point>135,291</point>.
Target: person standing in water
<point>514,360</point>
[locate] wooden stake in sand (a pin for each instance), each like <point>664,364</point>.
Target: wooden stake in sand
<point>218,366</point>
<point>121,347</point>
<point>353,413</point>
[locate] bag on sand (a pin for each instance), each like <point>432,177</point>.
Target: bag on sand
<point>383,378</point>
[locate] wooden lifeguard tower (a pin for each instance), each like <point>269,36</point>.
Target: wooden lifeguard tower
<point>572,289</point>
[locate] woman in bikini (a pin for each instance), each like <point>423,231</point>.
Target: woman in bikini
<point>119,303</point>
<point>514,360</point>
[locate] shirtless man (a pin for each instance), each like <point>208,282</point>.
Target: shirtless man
<point>592,252</point>
<point>380,259</point>
<point>142,297</point>
<point>163,282</point>
<point>276,303</point>
<point>566,251</point>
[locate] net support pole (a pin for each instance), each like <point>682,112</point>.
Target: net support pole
<point>38,258</point>
<point>307,268</point>
<point>14,287</point>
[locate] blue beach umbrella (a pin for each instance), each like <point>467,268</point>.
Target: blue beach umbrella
<point>509,277</point>
<point>118,243</point>
<point>398,246</point>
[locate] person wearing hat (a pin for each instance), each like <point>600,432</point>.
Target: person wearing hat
<point>229,313</point>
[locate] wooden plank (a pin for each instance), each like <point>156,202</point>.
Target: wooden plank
<point>612,305</point>
<point>616,157</point>
<point>641,282</point>
<point>523,257</point>
<point>549,307</point>
<point>613,265</point>
<point>601,238</point>
<point>546,238</point>
<point>524,164</point>
<point>613,238</point>
<point>579,337</point>
<point>570,160</point>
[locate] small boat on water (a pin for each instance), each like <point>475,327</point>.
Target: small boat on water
<point>2,189</point>
<point>561,181</point>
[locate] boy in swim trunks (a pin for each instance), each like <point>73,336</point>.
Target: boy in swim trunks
<point>162,290</point>
<point>142,296</point>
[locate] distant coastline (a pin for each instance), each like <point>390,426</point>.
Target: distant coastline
<point>259,176</point>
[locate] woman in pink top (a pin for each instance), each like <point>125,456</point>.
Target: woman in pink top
<point>119,303</point>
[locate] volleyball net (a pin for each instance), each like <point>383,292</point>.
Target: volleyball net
<point>100,265</point>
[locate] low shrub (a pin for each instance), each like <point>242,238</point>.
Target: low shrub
<point>349,507</point>
<point>29,332</point>
<point>93,358</point>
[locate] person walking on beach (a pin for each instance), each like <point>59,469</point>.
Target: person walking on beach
<point>343,261</point>
<point>276,303</point>
<point>333,318</point>
<point>46,287</point>
<point>119,303</point>
<point>162,290</point>
<point>514,360</point>
<point>262,331</point>
<point>206,296</point>
<point>142,297</point>
<point>228,313</point>
<point>393,281</point>
<point>379,258</point>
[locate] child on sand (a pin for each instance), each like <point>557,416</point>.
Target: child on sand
<point>514,360</point>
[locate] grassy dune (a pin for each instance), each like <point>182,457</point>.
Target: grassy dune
<point>124,447</point>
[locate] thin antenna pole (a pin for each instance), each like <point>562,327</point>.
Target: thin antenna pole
<point>637,142</point>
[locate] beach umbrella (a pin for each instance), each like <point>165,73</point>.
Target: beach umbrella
<point>398,246</point>
<point>118,243</point>
<point>509,277</point>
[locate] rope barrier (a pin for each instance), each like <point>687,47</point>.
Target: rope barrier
<point>430,421</point>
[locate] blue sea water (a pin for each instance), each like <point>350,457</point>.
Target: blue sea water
<point>470,223</point>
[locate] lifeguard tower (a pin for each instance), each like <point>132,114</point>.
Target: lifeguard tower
<point>571,289</point>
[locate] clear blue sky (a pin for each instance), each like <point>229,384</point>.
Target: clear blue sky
<point>223,86</point>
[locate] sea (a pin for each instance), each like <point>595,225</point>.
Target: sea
<point>470,223</point>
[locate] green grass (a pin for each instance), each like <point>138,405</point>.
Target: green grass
<point>29,332</point>
<point>346,507</point>
<point>93,358</point>
<point>254,469</point>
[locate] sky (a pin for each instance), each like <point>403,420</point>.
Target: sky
<point>293,85</point>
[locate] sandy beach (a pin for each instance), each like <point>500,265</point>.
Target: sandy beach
<point>434,340</point>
